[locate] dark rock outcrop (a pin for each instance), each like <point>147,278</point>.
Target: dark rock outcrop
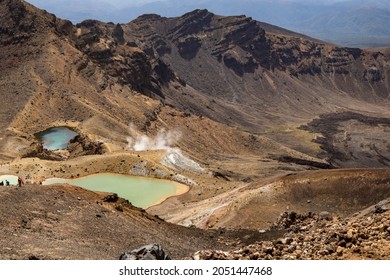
<point>351,147</point>
<point>192,23</point>
<point>118,34</point>
<point>78,146</point>
<point>36,150</point>
<point>188,48</point>
<point>111,198</point>
<point>81,145</point>
<point>20,23</point>
<point>148,252</point>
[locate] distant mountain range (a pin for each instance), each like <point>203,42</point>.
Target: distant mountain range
<point>348,23</point>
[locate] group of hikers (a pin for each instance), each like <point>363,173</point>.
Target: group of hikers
<point>6,183</point>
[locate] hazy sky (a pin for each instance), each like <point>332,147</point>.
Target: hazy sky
<point>111,10</point>
<point>331,20</point>
<point>122,3</point>
<point>127,3</point>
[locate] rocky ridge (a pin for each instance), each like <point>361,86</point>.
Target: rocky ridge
<point>311,236</point>
<point>152,52</point>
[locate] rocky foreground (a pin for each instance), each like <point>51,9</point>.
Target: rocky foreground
<point>366,235</point>
<point>65,222</point>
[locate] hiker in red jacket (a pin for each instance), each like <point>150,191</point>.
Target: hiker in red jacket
<point>20,182</point>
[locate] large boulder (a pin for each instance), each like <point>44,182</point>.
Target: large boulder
<point>148,252</point>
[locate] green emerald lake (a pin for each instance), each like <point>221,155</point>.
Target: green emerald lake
<point>141,192</point>
<point>56,138</point>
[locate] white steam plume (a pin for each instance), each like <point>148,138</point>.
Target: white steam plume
<point>164,140</point>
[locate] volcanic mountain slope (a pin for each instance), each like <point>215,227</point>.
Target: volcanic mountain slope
<point>46,80</point>
<point>228,69</point>
<point>252,103</point>
<point>234,60</point>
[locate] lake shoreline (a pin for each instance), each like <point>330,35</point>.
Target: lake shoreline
<point>35,170</point>
<point>179,188</point>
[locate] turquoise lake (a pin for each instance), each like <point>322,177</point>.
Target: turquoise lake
<point>141,192</point>
<point>56,138</point>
